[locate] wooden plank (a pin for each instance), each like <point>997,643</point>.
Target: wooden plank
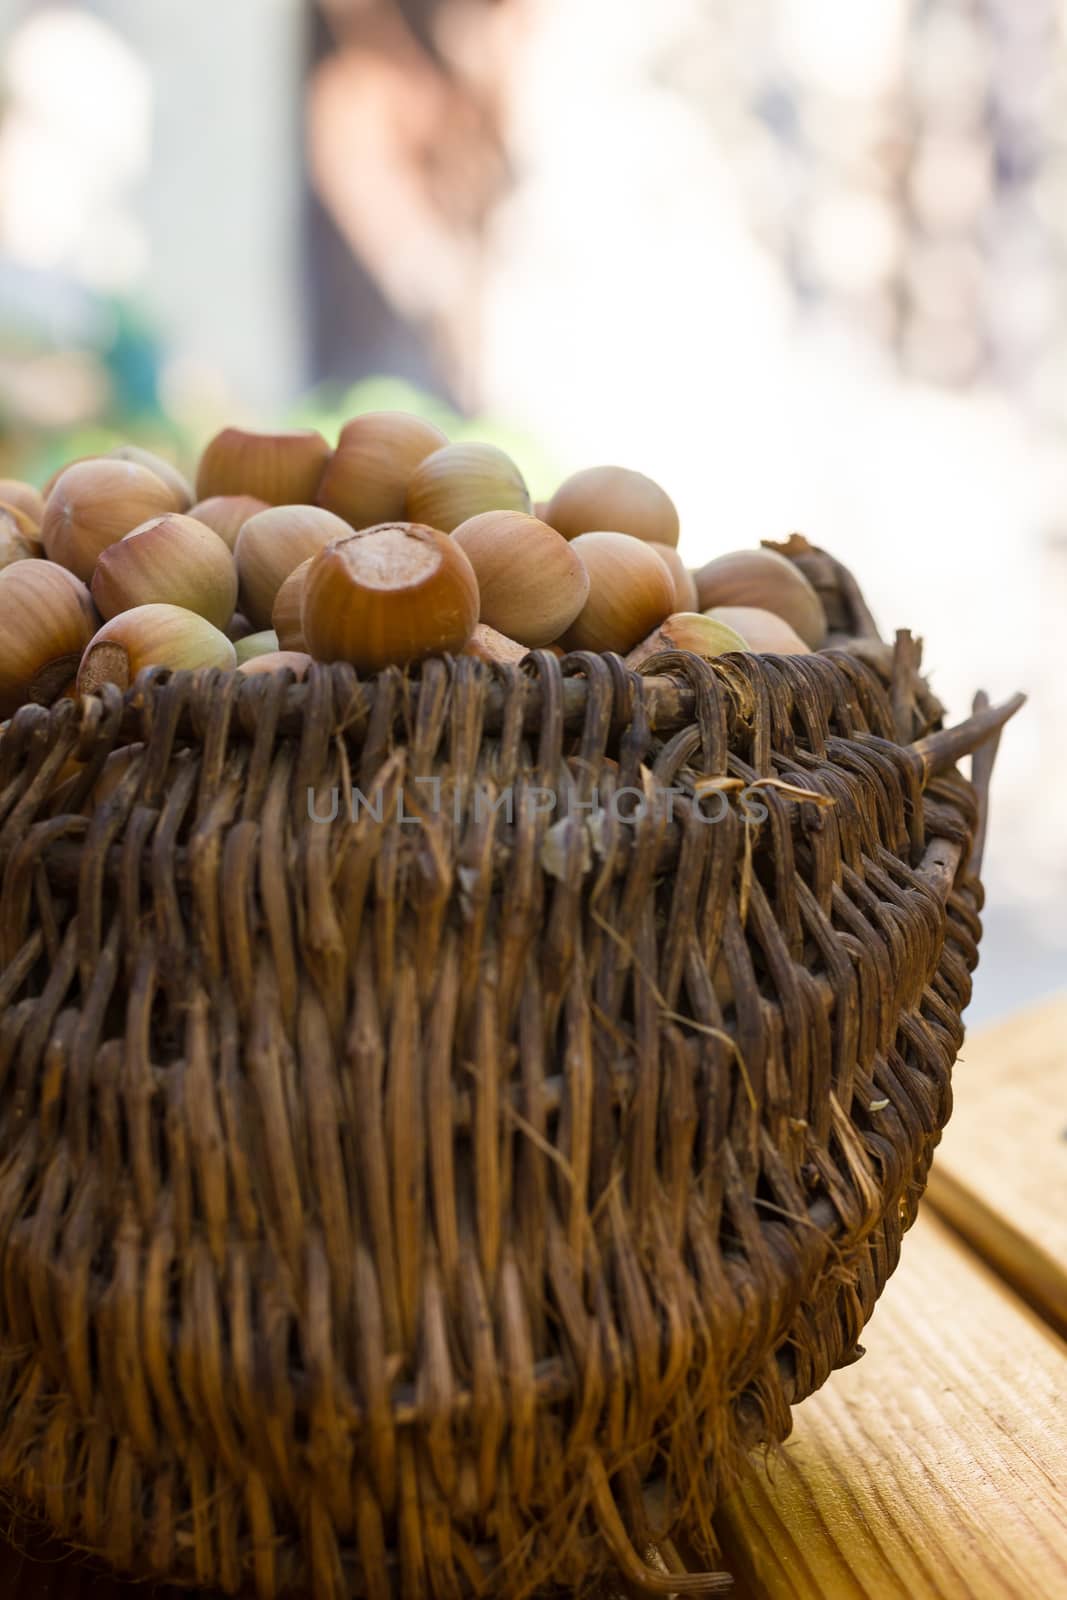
<point>1000,1173</point>
<point>933,1469</point>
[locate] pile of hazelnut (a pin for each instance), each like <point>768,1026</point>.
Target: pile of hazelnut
<point>392,547</point>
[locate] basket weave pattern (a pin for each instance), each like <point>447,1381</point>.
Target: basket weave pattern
<point>386,1205</point>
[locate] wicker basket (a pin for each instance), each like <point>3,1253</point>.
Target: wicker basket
<point>444,1206</point>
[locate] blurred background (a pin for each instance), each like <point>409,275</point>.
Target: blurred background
<point>804,262</point>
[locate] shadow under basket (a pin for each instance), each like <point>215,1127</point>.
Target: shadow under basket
<point>413,1187</point>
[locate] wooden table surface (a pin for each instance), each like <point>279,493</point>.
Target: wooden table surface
<point>936,1467</point>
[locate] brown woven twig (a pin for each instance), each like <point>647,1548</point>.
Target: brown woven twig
<point>387,1201</point>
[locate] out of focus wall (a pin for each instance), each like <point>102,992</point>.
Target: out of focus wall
<point>152,151</point>
<point>222,209</point>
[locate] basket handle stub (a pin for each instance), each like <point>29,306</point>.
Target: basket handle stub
<point>982,763</point>
<point>940,751</point>
<point>978,737</point>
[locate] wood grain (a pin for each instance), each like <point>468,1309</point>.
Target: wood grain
<point>934,1468</point>
<point>1000,1174</point>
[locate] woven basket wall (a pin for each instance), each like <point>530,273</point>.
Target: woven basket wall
<point>443,1207</point>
